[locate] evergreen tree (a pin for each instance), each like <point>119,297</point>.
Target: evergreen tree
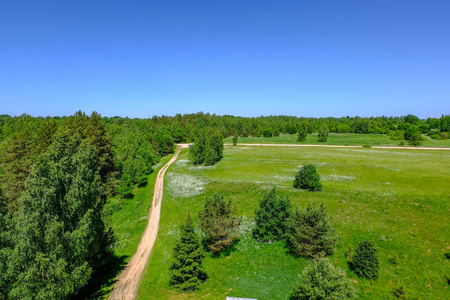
<point>235,139</point>
<point>323,133</point>
<point>302,132</point>
<point>310,233</point>
<point>218,221</point>
<point>321,280</point>
<point>272,217</point>
<point>307,178</point>
<point>365,262</point>
<point>125,188</point>
<point>186,271</point>
<point>60,234</point>
<point>207,149</point>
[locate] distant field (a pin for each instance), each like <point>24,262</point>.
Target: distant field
<point>337,139</point>
<point>397,198</point>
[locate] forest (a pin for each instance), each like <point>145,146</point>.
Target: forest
<point>58,174</point>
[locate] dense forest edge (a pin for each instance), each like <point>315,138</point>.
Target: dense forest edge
<point>58,176</point>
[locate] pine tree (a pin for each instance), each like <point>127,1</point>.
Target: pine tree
<point>321,280</point>
<point>307,178</point>
<point>60,234</point>
<point>272,217</point>
<point>186,271</point>
<point>323,133</point>
<point>311,233</point>
<point>365,262</point>
<point>218,221</point>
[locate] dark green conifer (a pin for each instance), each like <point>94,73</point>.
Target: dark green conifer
<point>186,271</point>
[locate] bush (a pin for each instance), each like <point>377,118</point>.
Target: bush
<point>235,139</point>
<point>276,132</point>
<point>186,271</point>
<point>413,136</point>
<point>365,262</point>
<point>125,189</point>
<point>272,217</point>
<point>435,136</point>
<point>218,221</point>
<point>321,280</point>
<point>399,292</point>
<point>323,133</point>
<point>267,132</point>
<point>443,135</point>
<point>311,233</point>
<point>307,178</point>
<point>393,259</point>
<point>302,132</point>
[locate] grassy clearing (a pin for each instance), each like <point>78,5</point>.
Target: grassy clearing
<point>397,198</point>
<point>348,139</point>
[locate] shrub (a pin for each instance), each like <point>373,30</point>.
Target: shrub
<point>235,139</point>
<point>435,136</point>
<point>310,233</point>
<point>443,135</point>
<point>399,292</point>
<point>267,132</point>
<point>186,271</point>
<point>272,217</point>
<point>413,136</point>
<point>276,132</point>
<point>365,262</point>
<point>218,221</point>
<point>307,178</point>
<point>125,189</point>
<point>393,259</point>
<point>433,131</point>
<point>321,280</point>
<point>323,133</point>
<point>302,132</point>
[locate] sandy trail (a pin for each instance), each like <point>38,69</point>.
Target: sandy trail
<point>340,146</point>
<point>128,283</point>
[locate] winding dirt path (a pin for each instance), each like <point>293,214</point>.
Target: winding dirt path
<point>128,283</point>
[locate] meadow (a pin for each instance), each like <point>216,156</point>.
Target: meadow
<point>397,198</point>
<point>348,139</point>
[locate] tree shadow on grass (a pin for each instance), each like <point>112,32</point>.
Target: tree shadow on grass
<point>103,278</point>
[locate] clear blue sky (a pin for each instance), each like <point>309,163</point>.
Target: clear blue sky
<point>247,58</point>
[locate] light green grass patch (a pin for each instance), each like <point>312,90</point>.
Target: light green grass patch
<point>397,198</point>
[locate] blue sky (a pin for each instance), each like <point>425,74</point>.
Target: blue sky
<point>247,58</point>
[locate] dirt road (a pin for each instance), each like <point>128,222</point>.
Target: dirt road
<point>127,285</point>
<point>340,146</point>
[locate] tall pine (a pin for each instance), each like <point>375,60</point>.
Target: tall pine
<point>60,234</point>
<point>186,270</point>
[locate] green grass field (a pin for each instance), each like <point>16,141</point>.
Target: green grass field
<point>349,139</point>
<point>397,198</point>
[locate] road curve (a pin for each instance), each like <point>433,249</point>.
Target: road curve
<point>128,283</point>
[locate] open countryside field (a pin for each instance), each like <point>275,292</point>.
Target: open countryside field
<point>348,139</point>
<point>397,198</point>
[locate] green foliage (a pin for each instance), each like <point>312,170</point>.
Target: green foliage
<point>394,259</point>
<point>323,133</point>
<point>125,188</point>
<point>235,139</point>
<point>321,280</point>
<point>207,149</point>
<point>276,132</point>
<point>164,143</point>
<point>310,233</point>
<point>218,221</point>
<point>411,119</point>
<point>272,217</point>
<point>60,234</point>
<point>413,136</point>
<point>399,292</point>
<point>186,271</point>
<point>267,133</point>
<point>447,255</point>
<point>365,262</point>
<point>302,132</point>
<point>307,178</point>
